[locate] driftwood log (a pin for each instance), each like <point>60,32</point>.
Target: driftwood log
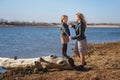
<point>48,62</point>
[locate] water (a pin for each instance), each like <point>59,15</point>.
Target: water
<point>29,42</point>
<point>101,35</point>
<point>2,70</point>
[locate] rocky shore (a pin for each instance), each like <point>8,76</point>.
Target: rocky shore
<point>103,63</point>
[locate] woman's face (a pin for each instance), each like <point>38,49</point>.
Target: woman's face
<point>77,18</point>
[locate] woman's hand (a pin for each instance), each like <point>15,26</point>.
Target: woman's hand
<point>70,38</point>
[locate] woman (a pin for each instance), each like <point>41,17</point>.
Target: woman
<point>81,43</point>
<point>65,33</point>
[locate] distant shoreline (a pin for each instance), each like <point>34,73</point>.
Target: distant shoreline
<point>104,26</point>
<point>6,23</point>
<point>58,26</point>
<point>101,26</point>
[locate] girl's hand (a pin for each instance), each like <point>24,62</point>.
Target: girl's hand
<point>71,24</point>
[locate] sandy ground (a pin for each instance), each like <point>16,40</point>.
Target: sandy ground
<point>103,63</point>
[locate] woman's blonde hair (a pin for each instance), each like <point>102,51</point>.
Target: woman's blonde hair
<point>63,17</point>
<point>81,16</point>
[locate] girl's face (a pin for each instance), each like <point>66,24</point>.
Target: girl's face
<point>65,19</point>
<point>77,18</point>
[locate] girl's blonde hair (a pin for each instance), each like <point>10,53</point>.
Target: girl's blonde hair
<point>63,17</point>
<point>81,16</point>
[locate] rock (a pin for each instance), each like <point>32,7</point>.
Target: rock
<point>15,57</point>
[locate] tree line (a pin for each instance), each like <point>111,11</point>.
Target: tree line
<point>4,22</point>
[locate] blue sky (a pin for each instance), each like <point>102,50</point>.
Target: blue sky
<point>95,11</point>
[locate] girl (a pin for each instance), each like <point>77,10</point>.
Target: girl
<point>65,33</point>
<point>81,43</point>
